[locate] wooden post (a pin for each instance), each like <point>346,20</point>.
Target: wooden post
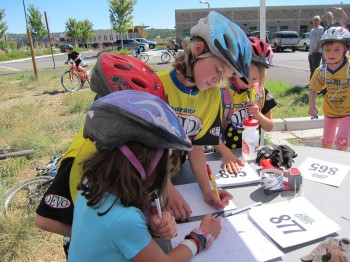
<point>32,52</point>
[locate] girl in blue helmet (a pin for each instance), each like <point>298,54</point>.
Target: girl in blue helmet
<point>333,76</point>
<point>133,132</point>
<point>218,50</point>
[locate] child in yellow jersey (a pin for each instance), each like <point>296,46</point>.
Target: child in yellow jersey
<point>218,50</point>
<point>334,76</point>
<point>253,99</point>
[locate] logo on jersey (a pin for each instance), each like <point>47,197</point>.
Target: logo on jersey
<point>56,201</point>
<point>191,124</point>
<point>237,118</point>
<point>215,131</point>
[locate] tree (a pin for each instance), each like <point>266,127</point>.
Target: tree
<point>120,14</point>
<point>36,25</point>
<point>86,30</point>
<point>3,25</point>
<point>73,30</point>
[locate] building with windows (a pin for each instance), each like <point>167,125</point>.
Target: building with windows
<point>278,18</point>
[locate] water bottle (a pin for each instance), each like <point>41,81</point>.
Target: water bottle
<point>250,139</point>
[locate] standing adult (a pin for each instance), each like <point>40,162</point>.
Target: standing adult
<point>332,22</point>
<point>315,50</point>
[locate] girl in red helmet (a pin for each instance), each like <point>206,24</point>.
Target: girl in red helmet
<point>247,99</point>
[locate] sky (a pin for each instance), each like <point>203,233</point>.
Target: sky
<point>158,14</point>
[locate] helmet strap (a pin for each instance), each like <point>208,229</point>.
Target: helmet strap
<point>136,163</point>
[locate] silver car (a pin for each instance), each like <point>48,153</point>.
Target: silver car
<point>304,42</point>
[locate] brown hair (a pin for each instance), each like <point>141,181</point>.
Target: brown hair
<point>112,172</point>
<point>179,63</point>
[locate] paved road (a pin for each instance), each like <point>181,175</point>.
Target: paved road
<point>292,68</point>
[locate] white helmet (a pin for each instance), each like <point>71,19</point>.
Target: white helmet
<point>338,34</point>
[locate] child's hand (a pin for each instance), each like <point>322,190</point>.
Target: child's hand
<point>252,109</point>
<point>313,111</point>
<point>165,226</point>
<point>212,199</point>
<point>211,225</point>
<point>231,163</point>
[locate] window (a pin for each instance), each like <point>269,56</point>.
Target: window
<point>111,37</point>
<point>303,29</point>
<point>284,28</point>
<point>252,28</point>
<point>186,33</point>
<point>272,29</point>
<point>105,37</point>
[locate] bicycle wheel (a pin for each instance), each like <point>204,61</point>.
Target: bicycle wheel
<point>144,57</point>
<point>26,196</point>
<point>17,154</point>
<point>70,81</point>
<point>165,57</point>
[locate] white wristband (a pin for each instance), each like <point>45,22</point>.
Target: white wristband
<point>192,246</point>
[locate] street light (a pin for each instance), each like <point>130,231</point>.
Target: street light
<point>205,2</point>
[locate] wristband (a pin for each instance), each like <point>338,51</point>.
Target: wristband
<point>192,246</point>
<point>202,238</point>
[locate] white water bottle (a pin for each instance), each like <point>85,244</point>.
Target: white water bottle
<point>250,139</point>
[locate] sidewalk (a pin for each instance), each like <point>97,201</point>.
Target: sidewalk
<point>300,131</point>
<point>296,131</point>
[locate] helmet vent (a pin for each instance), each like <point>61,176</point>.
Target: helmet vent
<point>122,67</point>
<point>139,83</point>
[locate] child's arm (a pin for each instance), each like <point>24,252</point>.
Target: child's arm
<point>313,110</point>
<point>197,161</point>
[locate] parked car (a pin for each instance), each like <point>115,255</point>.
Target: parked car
<point>282,40</point>
<point>150,43</point>
<point>304,42</point>
<point>130,44</point>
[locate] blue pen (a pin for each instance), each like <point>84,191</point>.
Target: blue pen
<point>224,213</point>
<point>220,213</point>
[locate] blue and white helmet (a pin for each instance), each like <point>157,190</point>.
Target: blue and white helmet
<point>227,41</point>
<point>337,34</point>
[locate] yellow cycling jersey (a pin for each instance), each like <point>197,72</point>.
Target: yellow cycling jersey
<point>336,102</point>
<point>198,111</point>
<point>80,149</point>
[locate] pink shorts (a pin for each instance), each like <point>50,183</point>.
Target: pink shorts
<point>331,135</point>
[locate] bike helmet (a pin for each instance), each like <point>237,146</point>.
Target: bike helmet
<point>134,116</point>
<point>261,51</point>
<point>227,41</point>
<point>114,72</point>
<point>337,34</point>
<point>69,46</point>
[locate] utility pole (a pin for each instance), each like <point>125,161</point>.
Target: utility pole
<point>48,33</point>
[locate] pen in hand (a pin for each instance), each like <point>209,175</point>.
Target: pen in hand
<point>213,181</point>
<point>224,213</point>
<point>159,209</point>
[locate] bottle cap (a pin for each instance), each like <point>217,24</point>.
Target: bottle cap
<point>250,122</point>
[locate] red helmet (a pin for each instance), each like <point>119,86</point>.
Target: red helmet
<point>114,72</point>
<point>261,51</point>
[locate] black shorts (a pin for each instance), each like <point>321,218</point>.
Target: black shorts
<point>57,202</point>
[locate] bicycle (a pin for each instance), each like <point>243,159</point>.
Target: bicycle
<point>6,152</point>
<point>166,55</point>
<point>26,195</point>
<point>74,79</point>
<point>142,56</point>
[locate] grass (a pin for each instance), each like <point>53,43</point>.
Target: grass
<point>39,115</point>
<point>292,100</point>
